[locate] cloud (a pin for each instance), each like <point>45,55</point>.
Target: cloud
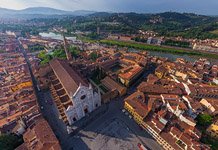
<point>196,6</point>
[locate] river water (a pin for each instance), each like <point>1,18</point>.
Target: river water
<point>173,57</point>
<point>55,36</point>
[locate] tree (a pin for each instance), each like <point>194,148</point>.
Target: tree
<point>94,56</point>
<point>74,51</point>
<point>45,58</point>
<point>10,141</point>
<point>59,53</point>
<point>204,120</point>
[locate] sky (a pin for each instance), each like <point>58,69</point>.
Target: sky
<point>207,7</point>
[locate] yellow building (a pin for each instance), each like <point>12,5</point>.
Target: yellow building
<point>192,74</point>
<point>212,130</point>
<point>135,105</point>
<point>161,72</point>
<point>21,86</point>
<point>181,74</point>
<point>130,74</point>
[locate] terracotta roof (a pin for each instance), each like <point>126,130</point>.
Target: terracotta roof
<point>69,79</point>
<point>213,102</point>
<point>136,101</point>
<point>161,69</point>
<point>40,137</point>
<point>176,131</point>
<point>186,139</point>
<point>22,147</point>
<point>169,139</point>
<point>159,89</point>
<point>109,63</point>
<point>158,124</point>
<point>111,84</point>
<point>131,73</point>
<point>184,125</point>
<point>152,78</point>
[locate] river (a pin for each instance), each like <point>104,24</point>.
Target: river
<point>173,57</point>
<point>55,36</point>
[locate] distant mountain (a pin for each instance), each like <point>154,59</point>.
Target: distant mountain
<point>43,11</point>
<point>170,24</point>
<point>6,11</point>
<point>83,12</point>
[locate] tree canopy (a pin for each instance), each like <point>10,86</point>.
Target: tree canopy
<point>204,120</point>
<point>10,141</point>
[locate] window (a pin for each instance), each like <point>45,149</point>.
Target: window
<point>86,110</point>
<point>83,97</point>
<point>74,119</point>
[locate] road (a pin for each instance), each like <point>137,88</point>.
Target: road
<point>49,112</point>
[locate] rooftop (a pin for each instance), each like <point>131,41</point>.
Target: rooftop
<point>69,79</point>
<point>131,73</point>
<point>40,137</point>
<point>137,102</point>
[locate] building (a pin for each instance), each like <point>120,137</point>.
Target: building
<point>205,47</point>
<point>161,72</point>
<point>130,74</point>
<point>211,105</point>
<point>155,41</point>
<point>17,97</point>
<point>135,105</point>
<point>40,137</point>
<point>113,85</point>
<point>74,96</point>
<point>212,130</point>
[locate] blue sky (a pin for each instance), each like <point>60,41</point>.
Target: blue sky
<point>147,6</point>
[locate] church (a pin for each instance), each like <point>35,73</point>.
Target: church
<point>73,95</point>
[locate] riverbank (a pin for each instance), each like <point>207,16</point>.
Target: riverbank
<point>156,48</point>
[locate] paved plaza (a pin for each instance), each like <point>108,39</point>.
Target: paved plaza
<point>113,135</point>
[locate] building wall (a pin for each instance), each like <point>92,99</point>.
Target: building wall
<point>107,97</point>
<point>181,74</point>
<point>159,74</point>
<point>127,82</point>
<point>84,100</point>
<point>213,131</point>
<point>135,115</point>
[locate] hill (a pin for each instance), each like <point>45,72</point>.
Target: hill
<point>166,24</point>
<point>43,11</point>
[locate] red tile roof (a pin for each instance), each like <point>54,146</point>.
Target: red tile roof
<point>40,137</point>
<point>69,79</point>
<point>136,101</point>
<point>130,74</point>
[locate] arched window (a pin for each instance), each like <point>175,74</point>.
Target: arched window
<point>74,119</point>
<point>83,97</point>
<point>86,110</point>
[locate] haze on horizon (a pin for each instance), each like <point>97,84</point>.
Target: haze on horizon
<point>140,6</point>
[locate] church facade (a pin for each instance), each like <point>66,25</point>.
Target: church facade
<point>74,96</point>
<point>85,100</point>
